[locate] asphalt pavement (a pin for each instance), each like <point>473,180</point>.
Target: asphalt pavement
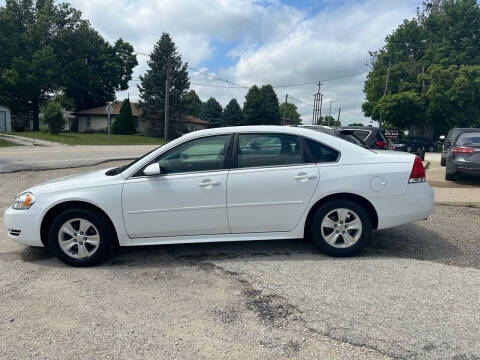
<point>413,293</point>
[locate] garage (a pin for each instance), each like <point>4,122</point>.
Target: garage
<point>5,119</point>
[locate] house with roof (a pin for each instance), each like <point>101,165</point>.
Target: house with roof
<point>5,119</point>
<point>96,119</point>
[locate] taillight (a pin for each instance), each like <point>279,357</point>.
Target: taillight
<point>462,150</point>
<point>418,172</point>
<point>381,144</point>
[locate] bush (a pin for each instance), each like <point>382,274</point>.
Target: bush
<point>124,123</point>
<point>53,116</point>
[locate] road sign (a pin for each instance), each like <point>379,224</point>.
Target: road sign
<point>392,133</point>
<point>109,108</point>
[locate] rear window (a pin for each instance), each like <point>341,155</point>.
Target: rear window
<point>469,139</point>
<point>379,137</point>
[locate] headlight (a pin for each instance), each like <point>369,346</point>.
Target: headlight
<point>24,201</point>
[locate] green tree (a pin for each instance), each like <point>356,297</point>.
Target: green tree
<point>233,115</point>
<point>124,123</point>
<point>212,113</point>
<point>290,112</point>
<point>252,108</point>
<point>356,124</point>
<point>152,87</point>
<point>328,120</point>
<point>261,106</point>
<point>53,116</point>
<point>47,48</point>
<point>270,106</point>
<point>192,105</point>
<point>433,80</point>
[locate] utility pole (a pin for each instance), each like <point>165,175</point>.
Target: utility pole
<point>386,89</point>
<point>317,105</point>
<point>167,100</point>
<point>285,110</point>
<point>338,117</point>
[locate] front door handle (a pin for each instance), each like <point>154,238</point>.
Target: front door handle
<point>209,183</point>
<point>305,177</point>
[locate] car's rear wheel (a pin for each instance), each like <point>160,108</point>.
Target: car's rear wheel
<point>430,148</point>
<point>341,227</point>
<point>409,149</point>
<point>80,237</point>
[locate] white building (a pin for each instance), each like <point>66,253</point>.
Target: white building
<point>5,119</point>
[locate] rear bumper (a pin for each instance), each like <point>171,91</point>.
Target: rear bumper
<point>23,226</point>
<point>413,205</point>
<point>467,167</point>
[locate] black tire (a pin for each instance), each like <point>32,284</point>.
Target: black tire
<point>409,149</point>
<point>430,148</point>
<point>106,242</point>
<point>450,176</point>
<point>323,211</point>
<point>443,162</point>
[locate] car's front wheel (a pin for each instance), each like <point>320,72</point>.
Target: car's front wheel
<point>409,149</point>
<point>80,237</point>
<point>341,227</point>
<point>430,148</point>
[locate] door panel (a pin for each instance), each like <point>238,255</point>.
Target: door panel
<point>177,204</point>
<point>269,199</point>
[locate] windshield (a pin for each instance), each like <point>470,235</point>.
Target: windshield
<point>118,170</point>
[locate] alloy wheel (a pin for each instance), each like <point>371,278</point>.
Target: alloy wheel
<point>341,228</point>
<point>78,238</point>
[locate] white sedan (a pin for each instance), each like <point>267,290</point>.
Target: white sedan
<point>227,184</point>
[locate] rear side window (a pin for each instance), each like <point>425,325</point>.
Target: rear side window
<point>261,150</point>
<point>379,137</point>
<point>361,134</point>
<point>322,153</point>
<point>469,139</point>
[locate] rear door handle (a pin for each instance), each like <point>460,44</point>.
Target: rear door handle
<point>209,183</point>
<point>305,177</point>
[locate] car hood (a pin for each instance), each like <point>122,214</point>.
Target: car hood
<point>79,181</point>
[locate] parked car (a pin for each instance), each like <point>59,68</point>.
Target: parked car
<point>371,136</point>
<point>463,154</point>
<point>226,184</point>
<point>449,140</point>
<point>344,134</point>
<point>412,144</point>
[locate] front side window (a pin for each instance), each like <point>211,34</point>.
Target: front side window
<point>256,150</point>
<point>204,154</point>
<point>322,153</point>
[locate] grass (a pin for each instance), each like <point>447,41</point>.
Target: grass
<point>92,139</point>
<point>4,143</point>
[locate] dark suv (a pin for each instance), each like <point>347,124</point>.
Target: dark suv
<point>463,154</point>
<point>340,133</point>
<point>371,136</point>
<point>415,143</point>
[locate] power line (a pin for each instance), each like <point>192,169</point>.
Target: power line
<point>301,101</point>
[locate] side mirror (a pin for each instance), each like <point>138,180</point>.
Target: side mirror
<point>152,169</point>
<point>442,137</point>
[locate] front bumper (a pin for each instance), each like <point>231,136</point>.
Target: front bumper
<point>23,226</point>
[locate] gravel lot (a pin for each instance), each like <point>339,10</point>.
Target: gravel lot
<point>413,293</point>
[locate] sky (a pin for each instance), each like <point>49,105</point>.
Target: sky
<point>278,42</point>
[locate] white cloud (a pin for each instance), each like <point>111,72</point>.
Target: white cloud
<point>274,43</point>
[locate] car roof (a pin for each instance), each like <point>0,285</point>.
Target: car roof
<point>359,127</point>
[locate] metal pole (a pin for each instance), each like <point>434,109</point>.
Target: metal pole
<point>385,89</point>
<point>167,96</point>
<point>338,118</point>
<point>109,126</point>
<point>285,110</point>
